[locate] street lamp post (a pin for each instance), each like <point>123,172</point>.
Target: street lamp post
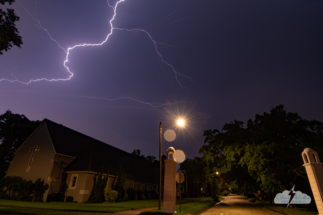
<point>160,163</point>
<point>180,122</point>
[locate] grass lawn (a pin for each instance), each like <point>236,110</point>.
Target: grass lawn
<point>37,212</point>
<point>188,208</point>
<point>292,211</point>
<point>98,207</point>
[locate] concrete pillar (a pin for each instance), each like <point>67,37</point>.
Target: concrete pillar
<point>314,170</point>
<point>169,187</point>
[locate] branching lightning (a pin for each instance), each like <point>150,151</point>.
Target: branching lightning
<point>68,50</point>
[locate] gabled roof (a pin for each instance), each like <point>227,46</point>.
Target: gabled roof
<point>92,154</point>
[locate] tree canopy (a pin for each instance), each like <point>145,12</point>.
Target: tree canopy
<point>9,35</point>
<point>14,130</point>
<point>268,148</point>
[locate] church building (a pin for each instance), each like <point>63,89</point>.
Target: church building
<point>69,161</point>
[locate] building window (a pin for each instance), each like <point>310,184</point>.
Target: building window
<point>73,181</point>
<point>305,158</point>
<point>314,158</point>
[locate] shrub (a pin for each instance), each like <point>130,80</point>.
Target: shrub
<point>97,194</point>
<point>125,197</point>
<point>153,194</point>
<point>120,184</point>
<point>146,193</point>
<point>131,193</point>
<point>16,188</point>
<point>251,195</point>
<point>215,198</point>
<point>225,193</point>
<point>110,195</point>
<point>136,197</point>
<point>143,197</point>
<point>139,194</point>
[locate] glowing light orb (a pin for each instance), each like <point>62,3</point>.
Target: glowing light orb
<point>180,122</point>
<point>170,135</point>
<point>179,156</point>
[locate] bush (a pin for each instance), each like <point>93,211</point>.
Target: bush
<point>100,182</point>
<point>153,194</point>
<point>225,193</point>
<point>110,195</point>
<point>125,197</point>
<point>131,193</point>
<point>136,197</point>
<point>146,193</point>
<point>139,194</point>
<point>16,188</point>
<point>251,195</point>
<point>143,197</point>
<point>215,198</point>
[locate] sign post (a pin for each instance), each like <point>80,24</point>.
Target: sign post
<point>180,179</point>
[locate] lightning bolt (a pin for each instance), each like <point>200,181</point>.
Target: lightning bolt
<point>292,196</point>
<point>154,105</point>
<point>68,51</point>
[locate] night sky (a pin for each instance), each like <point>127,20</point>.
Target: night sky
<point>232,59</point>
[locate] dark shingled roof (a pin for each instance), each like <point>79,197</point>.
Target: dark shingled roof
<point>92,154</point>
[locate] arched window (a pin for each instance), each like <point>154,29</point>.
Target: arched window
<point>314,158</point>
<point>305,158</point>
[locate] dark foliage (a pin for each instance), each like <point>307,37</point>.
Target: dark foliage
<point>16,188</point>
<point>251,195</point>
<point>131,193</point>
<point>139,194</point>
<point>147,194</point>
<point>14,130</point>
<point>120,185</point>
<point>97,194</point>
<point>264,153</point>
<point>153,194</point>
<point>8,31</point>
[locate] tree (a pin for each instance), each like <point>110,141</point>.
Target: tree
<point>8,31</point>
<point>195,175</point>
<point>150,158</point>
<point>14,130</point>
<point>97,195</point>
<point>120,184</point>
<point>268,148</point>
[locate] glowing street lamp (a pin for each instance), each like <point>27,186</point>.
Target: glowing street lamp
<point>181,123</point>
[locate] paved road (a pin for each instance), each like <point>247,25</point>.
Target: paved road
<point>237,205</point>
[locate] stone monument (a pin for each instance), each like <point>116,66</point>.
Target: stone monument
<point>170,183</point>
<point>314,170</point>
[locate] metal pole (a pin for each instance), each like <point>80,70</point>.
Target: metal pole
<point>186,184</point>
<point>160,163</point>
<point>180,194</point>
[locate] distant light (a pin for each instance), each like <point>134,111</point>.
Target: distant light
<point>180,122</point>
<point>217,173</point>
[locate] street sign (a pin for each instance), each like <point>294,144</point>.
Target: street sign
<point>180,177</point>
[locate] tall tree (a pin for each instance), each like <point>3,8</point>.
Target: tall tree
<point>268,146</point>
<point>14,130</point>
<point>195,175</point>
<point>9,35</point>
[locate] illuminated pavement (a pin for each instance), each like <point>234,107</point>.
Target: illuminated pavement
<point>237,205</point>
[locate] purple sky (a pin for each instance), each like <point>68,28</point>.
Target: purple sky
<point>243,58</point>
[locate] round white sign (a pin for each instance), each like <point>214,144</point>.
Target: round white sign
<point>179,156</point>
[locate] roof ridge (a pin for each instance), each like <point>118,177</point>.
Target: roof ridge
<point>45,119</point>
